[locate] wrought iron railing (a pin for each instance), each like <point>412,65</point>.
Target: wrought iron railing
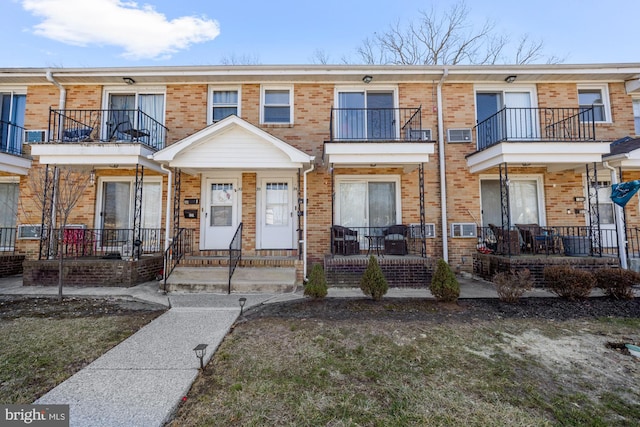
<point>181,246</point>
<point>377,124</point>
<point>385,240</point>
<point>235,253</point>
<point>7,240</point>
<point>11,138</point>
<point>81,126</point>
<point>105,243</point>
<point>537,125</point>
<point>531,239</point>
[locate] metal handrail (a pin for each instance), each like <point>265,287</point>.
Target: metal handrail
<point>11,136</point>
<point>177,250</point>
<point>235,253</point>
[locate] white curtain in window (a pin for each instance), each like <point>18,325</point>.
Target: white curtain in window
<point>277,212</point>
<point>353,204</point>
<point>636,114</point>
<point>151,199</point>
<point>116,205</point>
<point>382,204</point>
<point>523,201</point>
<point>153,105</point>
<point>8,204</point>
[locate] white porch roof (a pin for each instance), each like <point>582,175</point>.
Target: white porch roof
<point>232,143</point>
<point>377,153</point>
<point>98,154</point>
<point>555,156</point>
<point>14,164</point>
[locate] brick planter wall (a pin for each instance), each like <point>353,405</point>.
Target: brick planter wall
<point>92,272</point>
<point>10,265</point>
<point>486,266</point>
<point>399,272</point>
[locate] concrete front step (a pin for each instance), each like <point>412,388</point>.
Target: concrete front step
<point>244,280</point>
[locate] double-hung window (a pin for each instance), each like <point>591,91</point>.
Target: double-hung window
<point>636,115</point>
<point>596,97</point>
<point>277,105</point>
<point>224,103</point>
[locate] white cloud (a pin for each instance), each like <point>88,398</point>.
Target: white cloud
<point>140,30</point>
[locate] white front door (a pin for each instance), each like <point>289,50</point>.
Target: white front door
<point>276,216</point>
<point>607,216</point>
<point>220,218</point>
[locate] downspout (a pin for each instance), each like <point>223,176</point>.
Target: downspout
<point>443,184</point>
<point>63,92</point>
<point>304,219</point>
<point>622,233</point>
<point>167,239</point>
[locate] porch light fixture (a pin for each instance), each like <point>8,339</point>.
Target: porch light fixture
<point>129,80</point>
<point>367,79</point>
<point>242,301</point>
<point>201,350</point>
<point>510,79</point>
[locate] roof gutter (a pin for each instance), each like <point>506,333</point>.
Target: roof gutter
<point>443,183</point>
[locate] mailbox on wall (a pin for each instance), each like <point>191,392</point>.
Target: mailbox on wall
<point>191,213</point>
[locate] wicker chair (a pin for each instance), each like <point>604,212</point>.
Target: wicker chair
<point>507,241</point>
<point>395,240</point>
<point>345,241</point>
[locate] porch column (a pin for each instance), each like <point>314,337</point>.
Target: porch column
<point>137,212</point>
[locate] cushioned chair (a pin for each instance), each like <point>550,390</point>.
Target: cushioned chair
<point>345,241</point>
<point>395,240</point>
<point>507,241</point>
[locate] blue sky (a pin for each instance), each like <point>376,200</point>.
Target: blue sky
<point>103,33</point>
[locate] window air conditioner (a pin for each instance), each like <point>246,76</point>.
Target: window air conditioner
<point>459,135</point>
<point>463,229</point>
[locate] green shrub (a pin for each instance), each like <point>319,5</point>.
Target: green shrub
<point>568,282</point>
<point>511,285</point>
<point>444,285</point>
<point>373,281</point>
<point>616,282</point>
<point>316,286</point>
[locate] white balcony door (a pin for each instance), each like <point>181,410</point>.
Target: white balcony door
<point>221,215</point>
<point>277,218</point>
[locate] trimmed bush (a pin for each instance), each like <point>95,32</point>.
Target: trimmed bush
<point>568,282</point>
<point>316,286</point>
<point>373,282</point>
<point>616,282</point>
<point>444,285</point>
<point>510,286</point>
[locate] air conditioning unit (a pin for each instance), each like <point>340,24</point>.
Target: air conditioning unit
<point>429,230</point>
<point>459,135</point>
<point>28,231</point>
<point>463,229</point>
<point>419,134</point>
<point>39,135</point>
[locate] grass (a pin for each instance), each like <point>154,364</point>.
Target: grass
<point>37,353</point>
<point>313,372</point>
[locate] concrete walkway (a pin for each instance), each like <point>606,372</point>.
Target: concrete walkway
<point>141,381</point>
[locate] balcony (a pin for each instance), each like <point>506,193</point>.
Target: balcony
<point>377,136</point>
<point>13,159</point>
<point>116,126</point>
<point>523,136</point>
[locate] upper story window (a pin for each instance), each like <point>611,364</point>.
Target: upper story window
<point>636,115</point>
<point>135,116</point>
<point>277,105</point>
<point>224,103</point>
<point>596,96</point>
<point>12,108</point>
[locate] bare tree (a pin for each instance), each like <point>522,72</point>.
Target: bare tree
<point>446,38</point>
<point>68,187</point>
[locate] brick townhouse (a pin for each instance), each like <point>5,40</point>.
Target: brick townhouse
<point>488,167</point>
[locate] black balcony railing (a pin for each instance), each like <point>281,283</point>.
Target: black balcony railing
<point>106,243</point>
<point>537,125</point>
<point>81,126</point>
<point>11,138</point>
<point>376,124</point>
<point>389,240</point>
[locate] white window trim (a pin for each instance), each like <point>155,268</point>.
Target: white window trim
<point>265,88</point>
<point>504,88</point>
<point>531,177</point>
<point>635,100</point>
<point>213,88</point>
<point>604,87</point>
<point>370,88</point>
<point>367,178</point>
<point>131,180</point>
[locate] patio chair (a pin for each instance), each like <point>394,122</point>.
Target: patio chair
<point>507,241</point>
<point>395,240</point>
<point>345,241</point>
<point>77,134</point>
<point>537,239</point>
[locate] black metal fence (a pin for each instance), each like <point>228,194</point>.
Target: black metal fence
<point>75,126</point>
<point>181,246</point>
<point>387,240</point>
<point>537,124</point>
<point>377,124</point>
<point>11,138</point>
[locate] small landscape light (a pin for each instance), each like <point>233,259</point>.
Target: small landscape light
<point>201,350</point>
<point>242,301</point>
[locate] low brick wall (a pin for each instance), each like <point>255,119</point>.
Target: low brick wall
<point>400,272</point>
<point>486,266</point>
<point>11,265</point>
<point>92,272</point>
